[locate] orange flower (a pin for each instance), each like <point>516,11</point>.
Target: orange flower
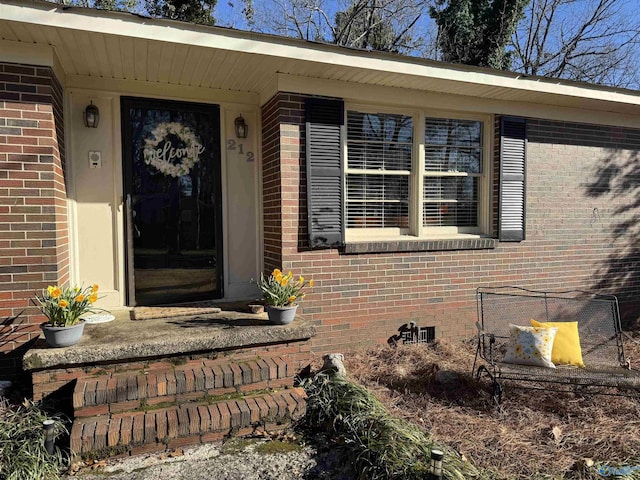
<point>276,272</point>
<point>63,303</point>
<point>284,281</point>
<point>292,298</point>
<point>311,282</point>
<point>79,298</point>
<point>94,288</point>
<point>278,277</point>
<point>93,297</point>
<point>55,292</point>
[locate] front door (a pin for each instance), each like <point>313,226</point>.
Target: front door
<point>171,156</point>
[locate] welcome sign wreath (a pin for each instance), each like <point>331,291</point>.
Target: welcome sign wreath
<point>168,159</point>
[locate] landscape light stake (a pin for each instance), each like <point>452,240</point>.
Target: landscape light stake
<point>49,435</point>
<point>436,464</point>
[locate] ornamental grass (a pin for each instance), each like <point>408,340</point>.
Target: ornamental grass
<point>23,455</point>
<point>382,446</point>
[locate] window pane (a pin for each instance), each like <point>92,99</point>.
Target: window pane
<point>453,145</point>
<point>448,131</point>
<point>379,141</point>
<point>458,205</point>
<point>452,159</point>
<point>451,188</point>
<point>450,214</point>
<point>379,156</point>
<point>377,201</point>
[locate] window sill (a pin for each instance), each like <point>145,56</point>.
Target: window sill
<point>388,246</point>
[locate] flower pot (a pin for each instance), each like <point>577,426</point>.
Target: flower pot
<point>63,336</point>
<point>281,315</point>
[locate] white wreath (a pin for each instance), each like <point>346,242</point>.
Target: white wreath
<point>161,158</point>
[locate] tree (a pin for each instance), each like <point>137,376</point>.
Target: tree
<point>388,25</point>
<point>383,25</point>
<point>588,40</point>
<point>194,11</point>
<point>476,32</point>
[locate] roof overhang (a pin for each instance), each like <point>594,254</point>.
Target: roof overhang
<point>105,45</point>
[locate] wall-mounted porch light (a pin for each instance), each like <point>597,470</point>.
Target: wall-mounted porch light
<point>241,127</point>
<point>91,116</point>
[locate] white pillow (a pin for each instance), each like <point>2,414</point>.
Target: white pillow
<point>530,346</point>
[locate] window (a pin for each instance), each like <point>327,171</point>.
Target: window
<point>379,163</point>
<point>452,169</point>
<point>402,183</point>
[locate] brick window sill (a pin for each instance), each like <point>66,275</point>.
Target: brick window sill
<point>389,246</point>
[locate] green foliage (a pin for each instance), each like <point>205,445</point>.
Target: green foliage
<point>193,11</point>
<point>23,455</point>
<point>477,32</point>
<point>383,446</point>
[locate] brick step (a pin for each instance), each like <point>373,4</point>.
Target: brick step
<point>187,424</point>
<point>120,392</point>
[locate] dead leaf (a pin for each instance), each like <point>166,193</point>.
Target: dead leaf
<point>557,434</point>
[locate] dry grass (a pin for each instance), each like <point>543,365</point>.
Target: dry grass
<point>539,434</point>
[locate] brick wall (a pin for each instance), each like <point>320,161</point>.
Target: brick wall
<point>33,202</point>
<point>581,234</point>
<point>284,189</point>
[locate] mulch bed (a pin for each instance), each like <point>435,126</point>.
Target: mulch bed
<point>538,434</point>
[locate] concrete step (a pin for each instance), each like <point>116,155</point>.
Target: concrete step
<point>156,429</point>
<point>165,384</point>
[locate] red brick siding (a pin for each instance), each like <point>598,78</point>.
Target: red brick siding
<point>284,188</point>
<point>33,201</point>
<point>363,298</point>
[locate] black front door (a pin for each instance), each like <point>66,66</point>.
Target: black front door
<point>172,184</point>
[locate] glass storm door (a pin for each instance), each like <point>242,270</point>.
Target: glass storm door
<point>171,155</point>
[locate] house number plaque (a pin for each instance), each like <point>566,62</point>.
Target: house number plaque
<point>233,145</point>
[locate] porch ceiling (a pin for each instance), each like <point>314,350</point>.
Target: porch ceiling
<point>112,45</point>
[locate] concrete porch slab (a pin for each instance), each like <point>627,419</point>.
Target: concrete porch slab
<point>124,339</point>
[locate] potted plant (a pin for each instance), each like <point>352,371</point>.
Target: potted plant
<point>63,307</point>
<point>280,293</point>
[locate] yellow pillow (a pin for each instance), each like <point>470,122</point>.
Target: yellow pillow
<point>566,346</point>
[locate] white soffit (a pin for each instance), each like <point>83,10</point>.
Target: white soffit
<point>122,46</point>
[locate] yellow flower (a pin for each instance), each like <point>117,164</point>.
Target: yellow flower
<point>291,298</point>
<point>278,277</point>
<point>63,303</point>
<point>94,288</point>
<point>276,272</point>
<point>79,298</point>
<point>311,282</point>
<point>93,297</point>
<point>301,280</point>
<point>284,281</point>
<point>55,292</point>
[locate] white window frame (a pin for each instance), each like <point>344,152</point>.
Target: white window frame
<point>416,230</point>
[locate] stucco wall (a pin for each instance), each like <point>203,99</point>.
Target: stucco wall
<point>581,217</point>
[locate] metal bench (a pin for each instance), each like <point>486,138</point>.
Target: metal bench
<point>599,329</point>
